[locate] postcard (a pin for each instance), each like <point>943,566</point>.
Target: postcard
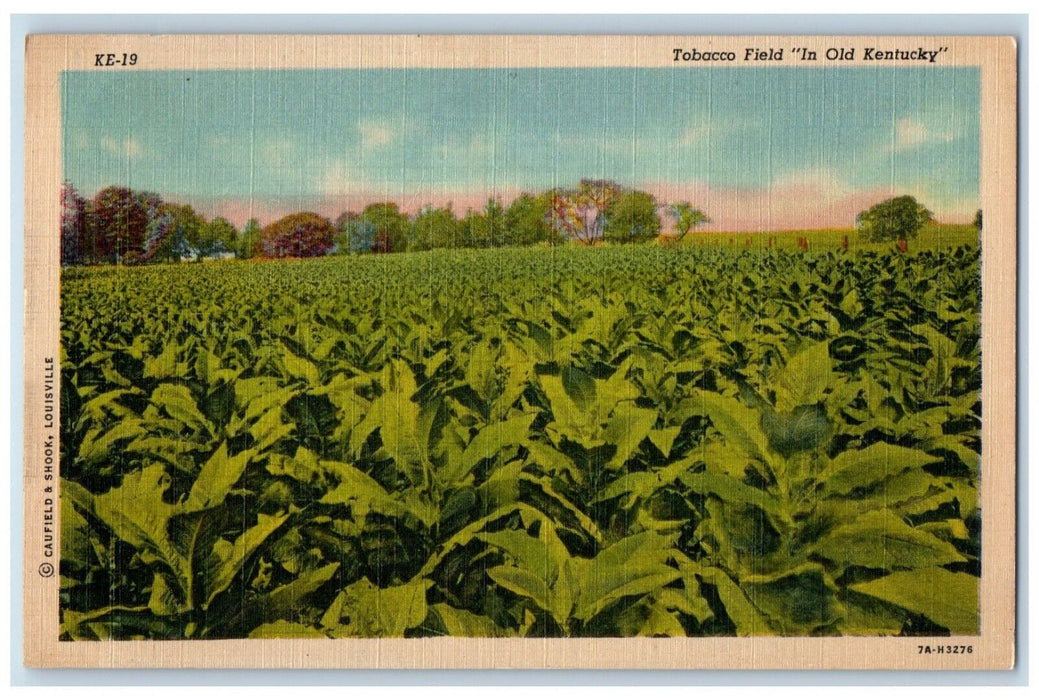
<point>513,351</point>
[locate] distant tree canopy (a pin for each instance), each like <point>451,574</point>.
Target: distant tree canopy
<point>302,235</point>
<point>527,220</point>
<point>123,226</point>
<point>977,220</point>
<point>581,213</point>
<point>248,243</point>
<point>687,217</point>
<point>893,219</point>
<point>391,227</point>
<point>174,234</point>
<point>73,225</point>
<point>632,217</point>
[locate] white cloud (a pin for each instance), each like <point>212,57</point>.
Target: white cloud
<point>276,152</point>
<point>127,147</point>
<point>696,135</point>
<point>374,134</point>
<point>338,179</point>
<point>910,132</point>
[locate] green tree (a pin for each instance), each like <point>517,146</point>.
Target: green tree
<point>687,217</point>
<point>434,227</point>
<point>173,234</point>
<point>494,213</point>
<point>632,217</point>
<point>222,236</point>
<point>527,220</point>
<point>893,219</point>
<point>248,243</point>
<point>977,220</point>
<point>391,227</point>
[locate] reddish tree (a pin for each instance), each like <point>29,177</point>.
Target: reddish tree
<point>301,235</point>
<point>581,214</point>
<point>73,225</point>
<point>120,219</point>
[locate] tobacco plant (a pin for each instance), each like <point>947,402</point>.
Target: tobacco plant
<point>614,441</point>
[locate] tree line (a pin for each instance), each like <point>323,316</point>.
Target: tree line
<point>124,226</point>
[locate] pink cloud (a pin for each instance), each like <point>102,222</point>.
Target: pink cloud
<point>806,201</point>
<point>811,201</point>
<point>268,209</point>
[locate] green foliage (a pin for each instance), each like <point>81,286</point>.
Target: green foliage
<point>248,242</point>
<point>389,225</point>
<point>892,219</point>
<point>632,218</point>
<point>687,217</point>
<point>434,228</point>
<point>560,442</point>
<point>527,220</point>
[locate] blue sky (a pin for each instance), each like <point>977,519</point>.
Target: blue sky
<point>753,143</point>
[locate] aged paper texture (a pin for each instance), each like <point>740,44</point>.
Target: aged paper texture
<point>656,352</point>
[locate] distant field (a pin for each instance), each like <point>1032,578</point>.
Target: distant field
<point>933,236</point>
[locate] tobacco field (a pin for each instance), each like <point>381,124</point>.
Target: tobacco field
<point>572,441</point>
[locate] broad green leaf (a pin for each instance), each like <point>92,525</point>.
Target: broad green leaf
<point>804,428</point>
<point>580,386</point>
<point>627,427</point>
<point>634,566</point>
<point>525,584</point>
<point>542,555</point>
<point>866,616</point>
<point>488,442</point>
<point>730,490</point>
<point>469,532</point>
<point>641,485</point>
<point>649,619</point>
<point>565,410</point>
<point>75,531</point>
<point>78,625</point>
<point>286,601</point>
<point>97,444</point>
<point>859,469</point>
<point>299,367</point>
<point>688,599</point>
<point>552,461</point>
<point>720,458</point>
<point>949,529</point>
<point>738,424</point>
<point>163,365</point>
<point>798,602</point>
<point>269,429</point>
<point>179,404</point>
<point>804,378</point>
<point>230,558</point>
<point>946,598</point>
<point>748,620</point>
<point>882,540</point>
<point>462,623</point>
<point>664,439</point>
<point>216,478</point>
<point>369,611</point>
<point>138,515</point>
